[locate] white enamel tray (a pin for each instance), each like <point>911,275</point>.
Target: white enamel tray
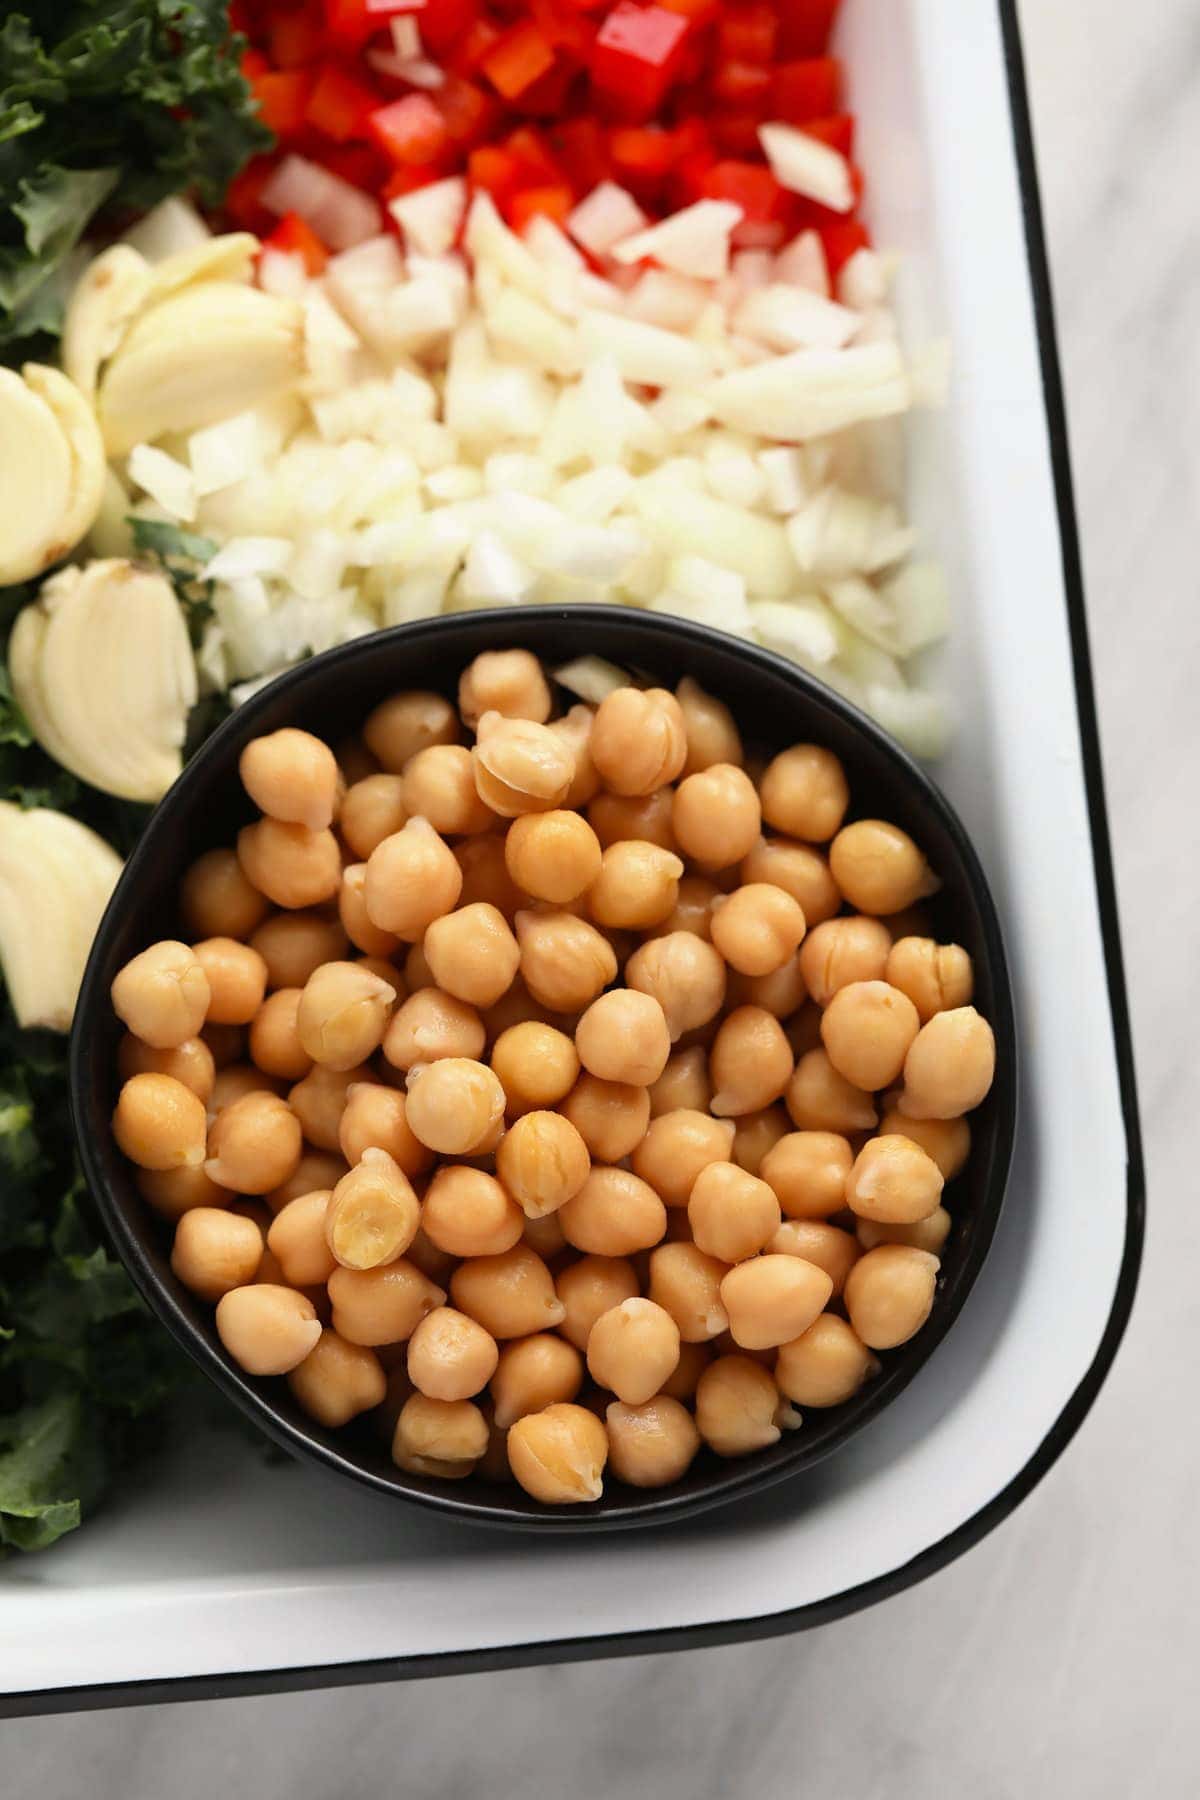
<point>225,1575</point>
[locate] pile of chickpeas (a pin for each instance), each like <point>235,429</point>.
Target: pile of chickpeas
<point>565,1089</point>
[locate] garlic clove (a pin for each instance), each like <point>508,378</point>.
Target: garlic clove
<point>36,460</point>
<point>229,257</point>
<point>106,299</point>
<point>77,423</point>
<point>56,878</point>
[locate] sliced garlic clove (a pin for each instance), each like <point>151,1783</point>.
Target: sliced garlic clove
<point>36,460</point>
<point>56,878</point>
<point>111,534</point>
<point>105,301</point>
<point>77,423</point>
<point>102,668</point>
<point>197,357</point>
<point>226,258</point>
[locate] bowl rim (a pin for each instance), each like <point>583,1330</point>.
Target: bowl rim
<point>646,1506</point>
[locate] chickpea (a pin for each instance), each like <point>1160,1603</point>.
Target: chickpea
<point>518,1007</point>
<point>445,1438</point>
<point>732,1214</point>
<point>504,681</point>
<point>316,1169</point>
<point>373,1213</point>
<point>545,1236</point>
<point>215,1250</point>
<point>292,865</point>
<point>950,1067</point>
<point>160,1124</point>
<point>558,1455</point>
<point>683,1085</point>
<point>294,945</point>
<point>823,1245</point>
<point>684,975</point>
<point>381,1306</point>
<point>575,731</point>
<point>692,911</point>
<point>867,1030</point>
<point>889,1294</point>
<point>894,1182</point>
<point>373,809</point>
<point>772,1299</point>
<point>320,1100</point>
<point>510,1295</point>
<point>473,954</point>
<point>266,1329</point>
<point>163,995</point>
<point>190,1062</point>
<point>439,785</point>
<point>237,980</point>
<point>716,816</point>
<point>632,1349</point>
<point>236,1081</point>
<point>645,818</point>
<point>639,741</point>
<point>450,1357</point>
<point>565,963</point>
<point>782,992</point>
<point>292,776</point>
<point>756,1134</point>
<point>466,1212</point>
<point>296,1240</point>
<point>682,1381</point>
<point>623,1036</point>
<point>712,735</point>
<point>800,871</point>
<point>254,1144</point>
<point>805,793</point>
<point>808,1171</point>
<point>431,1025</point>
<point>653,1444</point>
<point>878,867</point>
<point>409,722</point>
<point>520,767</point>
<point>613,1214</point>
<point>757,929</point>
<point>590,1287</point>
<point>826,1365</point>
<point>455,1106</point>
<point>216,900</point>
<point>819,1099</point>
<point>412,879</point>
<point>610,1116</point>
<point>226,1044</point>
<point>543,1162</point>
<point>343,1014</point>
<point>356,921</point>
<point>536,1064</point>
<point>842,951</point>
<point>936,977</point>
<point>637,886</point>
<point>739,1408</point>
<point>925,1234</point>
<point>337,1381</point>
<point>533,1373</point>
<point>275,1039</point>
<point>686,1282</point>
<point>554,856</point>
<point>172,1192</point>
<point>676,1148</point>
<point>485,872</point>
<point>750,1062</point>
<point>948,1141</point>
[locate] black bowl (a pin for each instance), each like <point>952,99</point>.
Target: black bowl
<point>775,704</point>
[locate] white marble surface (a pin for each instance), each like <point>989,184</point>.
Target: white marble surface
<point>1060,1656</point>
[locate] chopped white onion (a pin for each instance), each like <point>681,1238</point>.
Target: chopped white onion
<point>431,217</point>
<point>340,214</point>
<point>169,482</point>
<point>608,214</point>
<point>804,165</point>
<point>694,241</point>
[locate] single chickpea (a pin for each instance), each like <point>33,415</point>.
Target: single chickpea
<point>565,962</point>
<point>894,1182</point>
<point>375,1117</point>
<point>823,1245</point>
<point>843,951</point>
<point>431,1025</point>
<point>543,1162</point>
<point>574,730</point>
<point>373,1213</point>
<point>610,1116</point>
<point>163,995</point>
<point>509,682</point>
<point>450,1357</point>
<point>226,1044</point>
<point>808,1171</point>
<point>878,867</point>
<point>638,741</point>
<point>683,1085</point>
<point>373,809</point>
<point>237,979</point>
<point>485,872</point>
<point>800,870</point>
<point>510,1295</point>
<point>558,1455</point>
<point>756,1134</point>
<point>412,879</point>
<point>455,1106</point>
<point>623,1036</point>
<point>646,818</point>
<point>637,886</point>
<point>681,1382</point>
<point>406,723</point>
<point>254,1144</point>
<point>684,975</point>
<point>473,954</point>
<point>732,1214</point>
<point>384,1305</point>
<point>757,929</point>
<point>590,1287</point>
<point>356,921</point>
<point>826,1365</point>
<point>294,945</point>
<point>316,1169</point>
<point>445,1438</point>
<point>772,1299</point>
<point>632,1349</point>
<point>337,1381</point>
<point>712,735</point>
<point>948,1141</point>
<point>867,1030</point>
<point>686,1282</point>
<point>651,1445</point>
<point>675,1149</point>
<point>950,1067</point>
<point>936,977</point>
<point>160,1124</point>
<point>216,900</point>
<point>805,793</point>
<point>692,911</point>
<point>296,1240</point>
<point>889,1294</point>
<point>172,1192</point>
<point>613,1213</point>
<point>190,1062</point>
<point>215,1250</point>
<point>553,856</point>
<point>466,1212</point>
<point>819,1099</point>
<point>533,1373</point>
<point>293,865</point>
<point>782,992</point>
<point>739,1409</point>
<point>439,785</point>
<point>518,1007</point>
<point>343,1014</point>
<point>320,1100</point>
<point>536,1064</point>
<point>234,1082</point>
<point>292,776</point>
<point>275,1039</point>
<point>266,1329</point>
<point>925,1234</point>
<point>520,767</point>
<point>750,1063</point>
<point>716,816</point>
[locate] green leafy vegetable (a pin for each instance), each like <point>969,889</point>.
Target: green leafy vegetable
<point>181,554</point>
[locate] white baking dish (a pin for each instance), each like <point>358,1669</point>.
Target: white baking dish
<point>223,1574</point>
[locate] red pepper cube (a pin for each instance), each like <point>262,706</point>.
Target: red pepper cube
<point>359,164</point>
<point>468,112</point>
<point>551,202</point>
<point>411,130</point>
<point>494,170</point>
<point>243,196</point>
<point>699,12</point>
<point>340,105</point>
<point>749,185</point>
<point>636,57</point>
<point>348,23</point>
<point>808,89</point>
<point>745,86</point>
<point>748,35</point>
<point>644,152</point>
<point>805,26</point>
<point>549,97</point>
<point>533,156</point>
<point>283,97</point>
<point>841,240</point>
<point>444,23</point>
<point>563,27</point>
<point>252,65</point>
<point>582,149</point>
<point>405,178</point>
<point>294,40</point>
<point>735,134</point>
<point>476,42</point>
<point>516,61</point>
<point>295,237</point>
<point>837,132</point>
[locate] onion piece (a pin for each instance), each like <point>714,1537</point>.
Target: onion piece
<point>804,165</point>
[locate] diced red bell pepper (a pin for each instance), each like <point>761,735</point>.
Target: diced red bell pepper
<point>549,96</point>
<point>841,240</point>
<point>495,171</point>
<point>533,156</point>
<point>253,64</point>
<point>516,61</point>
<point>444,23</point>
<point>283,96</point>
<point>340,105</point>
<point>749,185</point>
<point>809,89</point>
<point>642,152</point>
<point>467,110</point>
<point>407,178</point>
<point>348,23</point>
<point>359,164</point>
<point>295,237</point>
<point>478,39</point>
<point>390,9</point>
<point>582,149</point>
<point>745,86</point>
<point>698,11</point>
<point>294,40</point>
<point>837,132</point>
<point>748,34</point>
<point>805,26</point>
<point>563,27</point>
<point>735,134</point>
<point>243,196</point>
<point>552,202</point>
<point>636,57</point>
<point>411,130</point>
